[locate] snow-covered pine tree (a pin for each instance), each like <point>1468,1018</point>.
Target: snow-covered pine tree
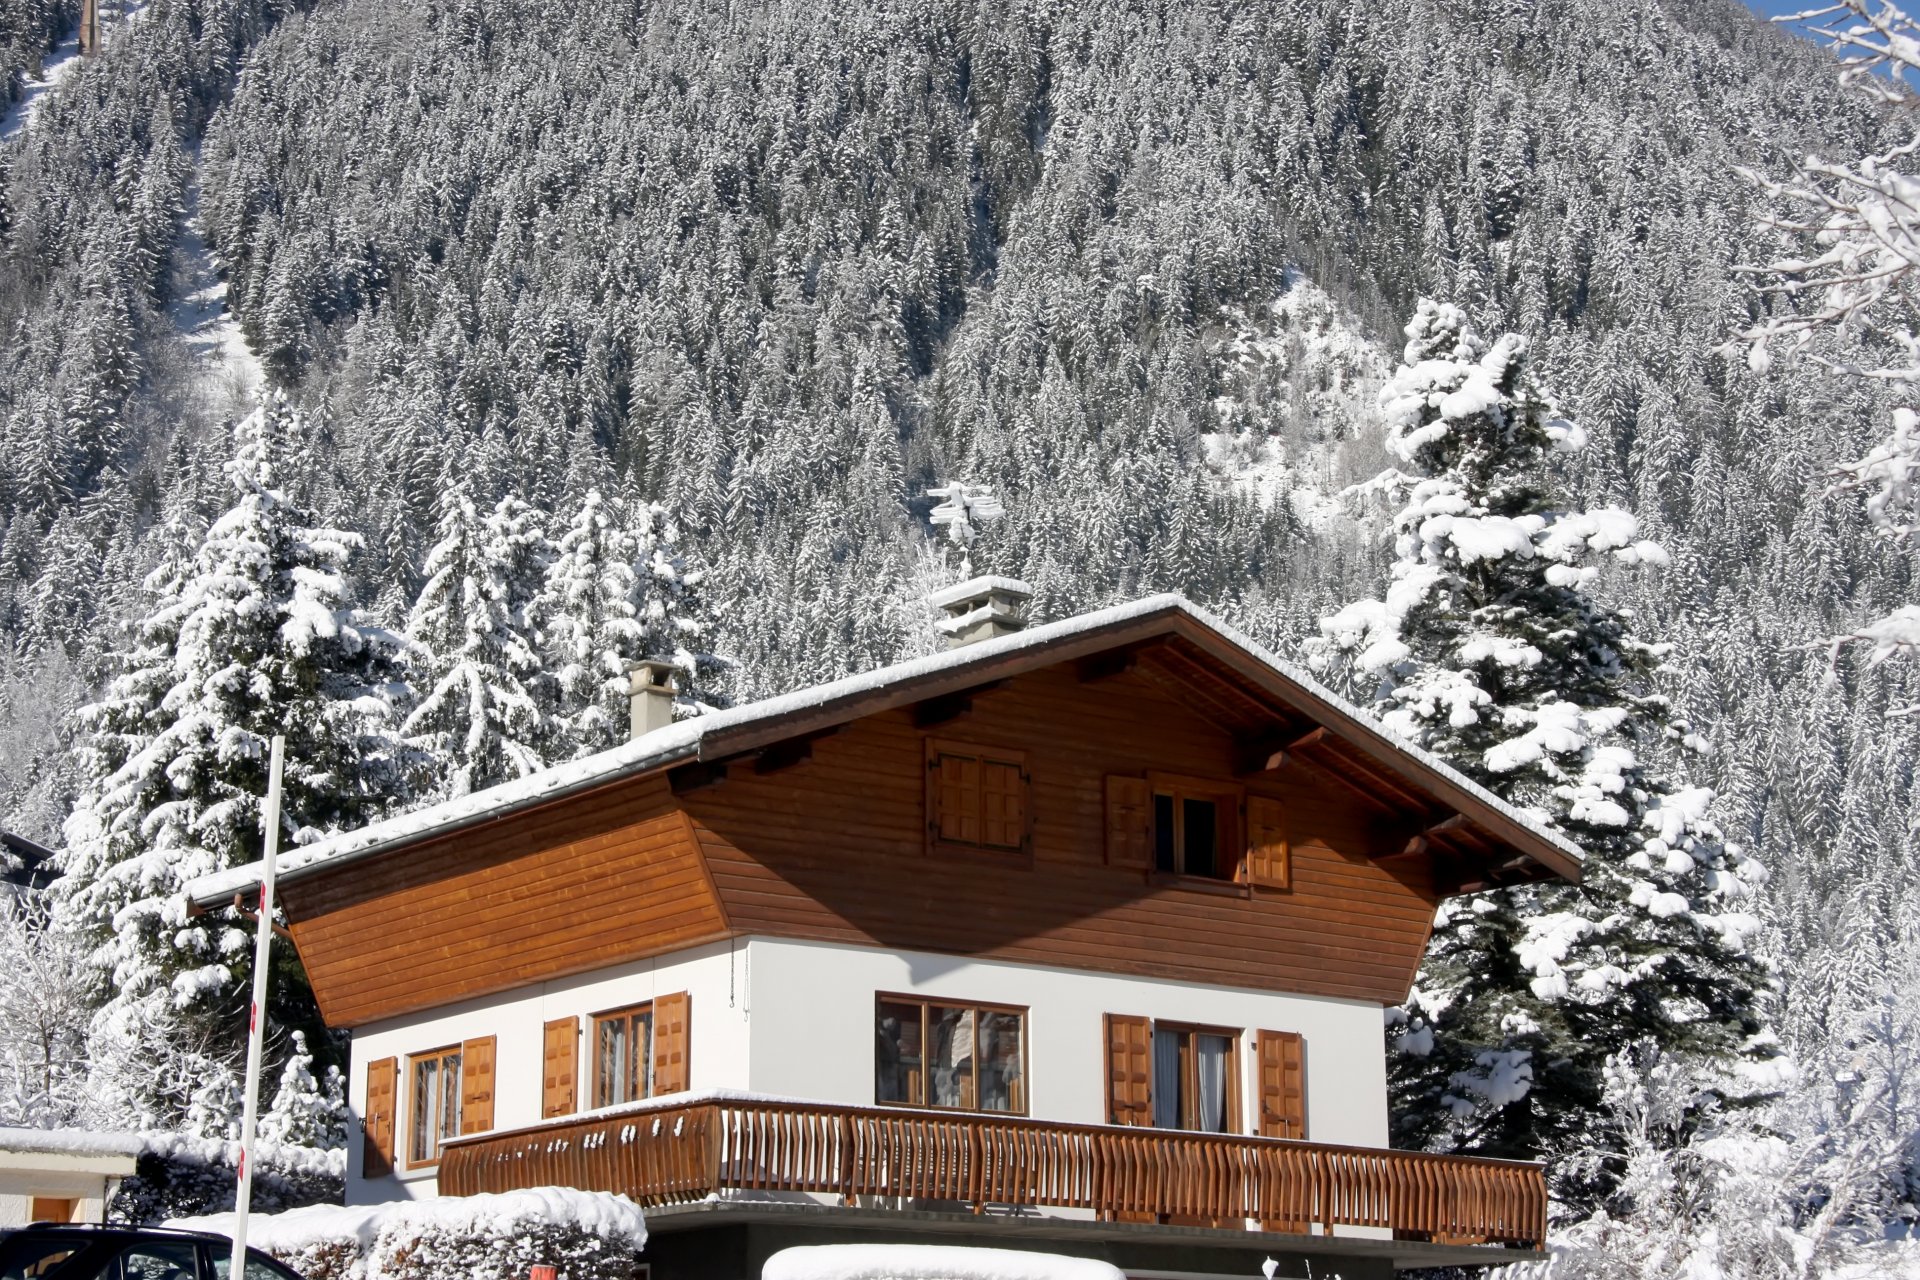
<point>308,1110</point>
<point>476,722</point>
<point>618,590</point>
<point>1490,650</point>
<point>248,639</point>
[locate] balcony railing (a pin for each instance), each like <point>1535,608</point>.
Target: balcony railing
<point>684,1153</point>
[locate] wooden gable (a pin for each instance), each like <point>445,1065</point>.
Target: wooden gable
<point>591,881</point>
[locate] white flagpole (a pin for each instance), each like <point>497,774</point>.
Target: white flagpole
<point>256,1026</point>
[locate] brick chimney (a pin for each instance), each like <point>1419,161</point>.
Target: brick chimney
<point>652,686</point>
<point>981,608</point>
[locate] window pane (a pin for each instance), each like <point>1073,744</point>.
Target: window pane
<point>156,1262</point>
<point>1167,1084</point>
<point>896,1062</point>
<point>449,1098</point>
<point>420,1114</point>
<point>951,1058</point>
<point>1201,825</point>
<point>259,1267</point>
<point>1214,1054</point>
<point>1000,1040</point>
<point>611,1072</point>
<point>1163,859</point>
<point>640,1070</point>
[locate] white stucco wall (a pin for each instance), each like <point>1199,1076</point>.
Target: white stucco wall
<point>796,1019</point>
<point>712,976</point>
<point>812,1007</point>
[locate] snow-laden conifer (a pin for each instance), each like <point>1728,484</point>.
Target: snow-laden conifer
<point>477,722</point>
<point>619,589</point>
<point>249,637</point>
<point>1491,649</point>
<point>309,1107</point>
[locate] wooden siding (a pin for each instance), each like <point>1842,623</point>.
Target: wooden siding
<point>833,850</point>
<point>578,885</point>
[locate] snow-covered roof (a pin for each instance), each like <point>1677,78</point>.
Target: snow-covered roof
<point>80,1143</point>
<point>823,705</point>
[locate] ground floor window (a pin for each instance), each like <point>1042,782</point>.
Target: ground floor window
<point>935,1053</point>
<point>435,1095</point>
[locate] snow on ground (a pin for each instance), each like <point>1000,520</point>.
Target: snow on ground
<point>928,1262</point>
<point>54,68</point>
<point>230,375</point>
<point>1299,379</point>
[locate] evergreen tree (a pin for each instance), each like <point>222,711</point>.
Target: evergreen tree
<point>1491,650</point>
<point>248,639</point>
<point>618,590</point>
<point>476,723</point>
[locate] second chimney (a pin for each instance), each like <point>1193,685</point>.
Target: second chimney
<point>652,685</point>
<point>981,608</point>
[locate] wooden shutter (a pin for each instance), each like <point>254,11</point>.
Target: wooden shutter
<point>476,1085</point>
<point>1129,1070</point>
<point>1269,860</point>
<point>953,795</point>
<point>1129,823</point>
<point>1003,804</point>
<point>52,1209</point>
<point>670,1073</point>
<point>1283,1085</point>
<point>376,1128</point>
<point>561,1068</point>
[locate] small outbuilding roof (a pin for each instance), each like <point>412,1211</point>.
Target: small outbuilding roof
<point>1275,705</point>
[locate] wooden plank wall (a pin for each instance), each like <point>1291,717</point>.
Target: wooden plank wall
<point>578,885</point>
<point>834,849</point>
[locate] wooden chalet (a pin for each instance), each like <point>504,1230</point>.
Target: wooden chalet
<point>1075,937</point>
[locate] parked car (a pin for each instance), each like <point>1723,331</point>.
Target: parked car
<point>48,1252</point>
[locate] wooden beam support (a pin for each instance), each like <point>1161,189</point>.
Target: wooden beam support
<point>1105,666</point>
<point>1264,755</point>
<point>790,752</point>
<point>1422,840</point>
<point>950,706</point>
<point>689,778</point>
<point>253,917</point>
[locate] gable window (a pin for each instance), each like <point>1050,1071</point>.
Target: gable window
<point>976,798</point>
<point>623,1056</point>
<point>969,1057</point>
<point>433,1103</point>
<point>1196,827</point>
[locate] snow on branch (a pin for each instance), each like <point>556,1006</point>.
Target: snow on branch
<point>1851,301</point>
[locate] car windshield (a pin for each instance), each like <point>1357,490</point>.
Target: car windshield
<point>259,1266</point>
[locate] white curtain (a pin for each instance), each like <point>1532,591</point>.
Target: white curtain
<point>1213,1082</point>
<point>1166,1079</point>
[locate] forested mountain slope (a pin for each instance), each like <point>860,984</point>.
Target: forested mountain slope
<point>779,267</point>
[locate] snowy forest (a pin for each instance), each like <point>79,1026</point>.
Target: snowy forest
<point>391,376</point>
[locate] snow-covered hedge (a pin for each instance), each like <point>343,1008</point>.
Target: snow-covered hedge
<point>588,1235</point>
<point>177,1175</point>
<point>928,1262</point>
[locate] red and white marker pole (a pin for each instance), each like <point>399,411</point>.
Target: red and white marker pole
<point>256,1025</point>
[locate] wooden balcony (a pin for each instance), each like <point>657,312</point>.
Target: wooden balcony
<point>709,1146</point>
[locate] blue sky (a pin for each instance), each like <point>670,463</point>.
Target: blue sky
<point>1773,8</point>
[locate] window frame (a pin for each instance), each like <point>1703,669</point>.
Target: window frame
<point>926,1004</point>
<point>413,1062</point>
<point>1229,836</point>
<point>1190,1071</point>
<point>938,844</point>
<point>629,1013</point>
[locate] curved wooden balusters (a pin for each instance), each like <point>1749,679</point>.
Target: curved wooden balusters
<point>678,1154</point>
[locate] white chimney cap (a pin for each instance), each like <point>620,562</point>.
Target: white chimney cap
<point>973,588</point>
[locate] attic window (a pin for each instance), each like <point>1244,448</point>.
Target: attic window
<point>1196,828</point>
<point>976,798</point>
